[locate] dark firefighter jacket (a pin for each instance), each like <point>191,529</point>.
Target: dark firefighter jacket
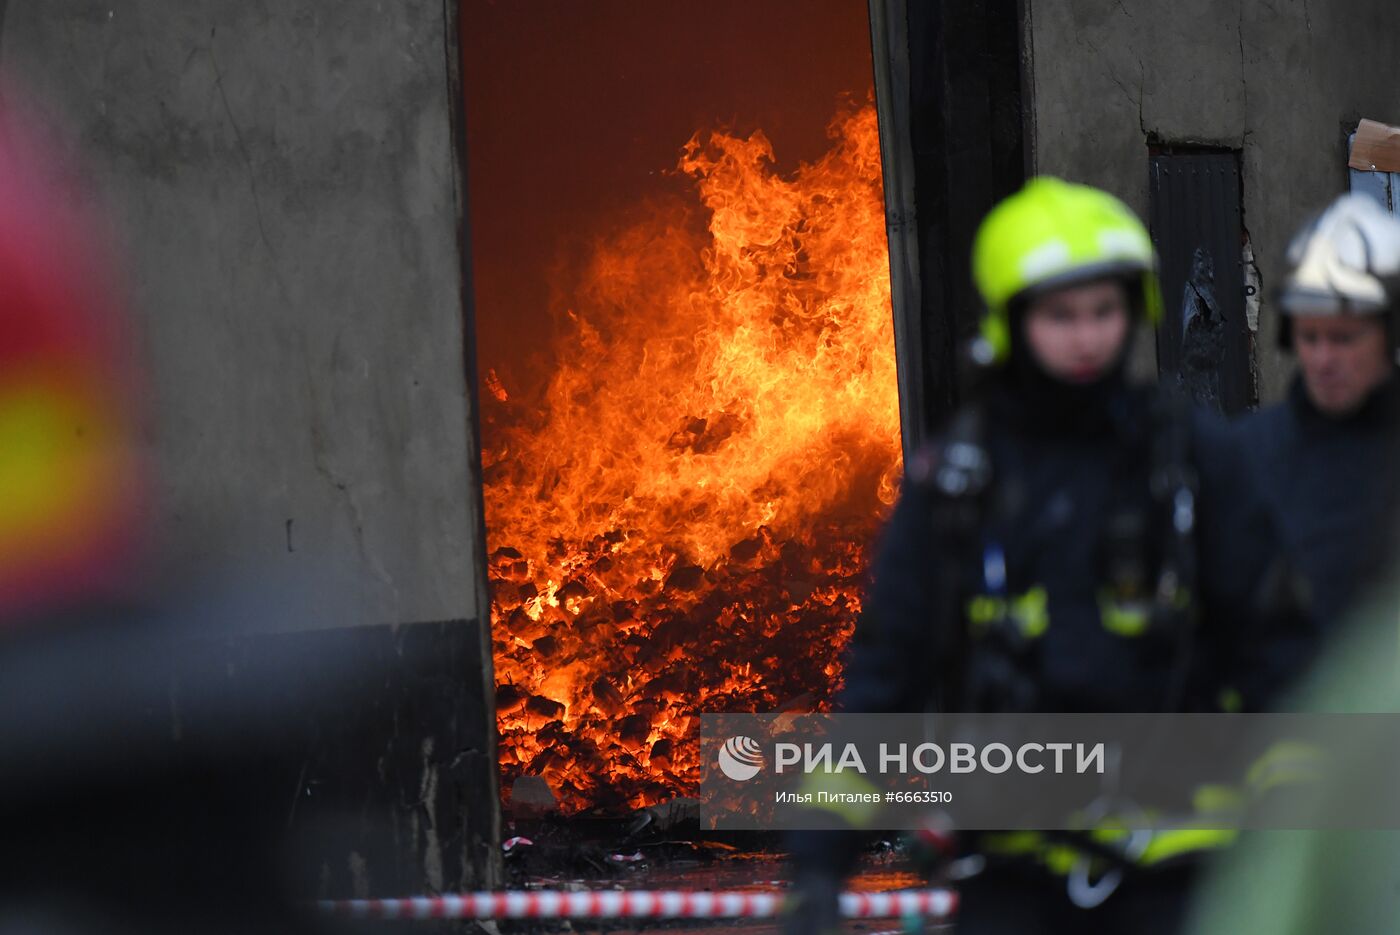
<point>1330,483</point>
<point>1061,489</point>
<point>1069,503</point>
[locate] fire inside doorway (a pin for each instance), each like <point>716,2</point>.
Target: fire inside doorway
<point>689,408</point>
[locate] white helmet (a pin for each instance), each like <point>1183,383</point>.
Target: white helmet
<point>1346,261</point>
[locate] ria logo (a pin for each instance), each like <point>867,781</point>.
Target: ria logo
<point>740,758</point>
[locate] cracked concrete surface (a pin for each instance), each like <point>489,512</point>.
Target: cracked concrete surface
<point>283,181</point>
<point>1266,77</point>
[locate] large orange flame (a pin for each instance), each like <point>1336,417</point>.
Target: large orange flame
<point>681,523</point>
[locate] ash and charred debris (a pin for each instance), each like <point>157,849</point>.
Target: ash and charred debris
<point>661,847</point>
<point>531,797</point>
<point>685,578</point>
<point>703,436</point>
<point>546,850</point>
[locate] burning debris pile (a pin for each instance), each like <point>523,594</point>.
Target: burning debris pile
<point>681,524</point>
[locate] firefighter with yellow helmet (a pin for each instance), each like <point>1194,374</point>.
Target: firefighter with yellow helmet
<point>1071,543</point>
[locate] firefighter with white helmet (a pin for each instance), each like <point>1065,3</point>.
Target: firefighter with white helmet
<point>1347,261</point>
<point>1326,456</point>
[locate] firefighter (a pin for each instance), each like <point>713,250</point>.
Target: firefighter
<point>1326,456</point>
<point>1072,542</point>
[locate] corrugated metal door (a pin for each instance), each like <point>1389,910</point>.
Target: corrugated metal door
<point>1203,345</point>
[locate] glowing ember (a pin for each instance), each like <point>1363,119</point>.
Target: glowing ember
<point>681,524</point>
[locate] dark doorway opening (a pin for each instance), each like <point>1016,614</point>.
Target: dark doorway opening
<point>1197,219</point>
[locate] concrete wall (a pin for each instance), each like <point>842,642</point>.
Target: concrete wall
<point>283,182</point>
<point>1281,80</point>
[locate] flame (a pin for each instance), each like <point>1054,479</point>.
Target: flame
<point>681,523</point>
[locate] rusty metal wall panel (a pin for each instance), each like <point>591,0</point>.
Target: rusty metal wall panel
<point>1203,344</point>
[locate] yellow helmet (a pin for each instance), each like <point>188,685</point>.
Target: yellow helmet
<point>1054,233</point>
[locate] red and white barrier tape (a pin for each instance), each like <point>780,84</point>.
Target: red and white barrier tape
<point>636,904</point>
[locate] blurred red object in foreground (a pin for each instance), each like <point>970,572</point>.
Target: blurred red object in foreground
<point>69,477</point>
